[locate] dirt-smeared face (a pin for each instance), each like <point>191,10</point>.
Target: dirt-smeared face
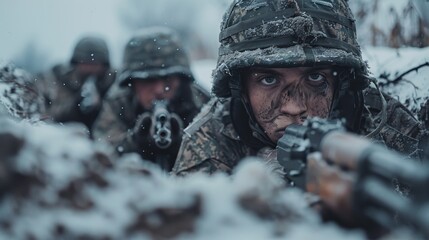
<point>283,96</point>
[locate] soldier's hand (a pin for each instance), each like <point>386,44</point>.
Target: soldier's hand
<point>176,127</point>
<point>142,129</point>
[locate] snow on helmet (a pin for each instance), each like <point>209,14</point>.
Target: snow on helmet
<point>91,50</point>
<point>287,33</point>
<point>154,52</point>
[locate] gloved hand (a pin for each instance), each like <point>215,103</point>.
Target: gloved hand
<point>141,134</point>
<point>176,126</point>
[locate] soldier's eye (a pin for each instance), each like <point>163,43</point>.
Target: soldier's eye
<point>268,81</point>
<point>316,77</point>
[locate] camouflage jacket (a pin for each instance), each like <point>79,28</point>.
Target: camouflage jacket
<point>61,89</point>
<point>119,114</point>
<point>212,144</point>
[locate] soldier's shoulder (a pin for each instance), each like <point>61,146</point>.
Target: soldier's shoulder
<point>109,79</point>
<point>378,101</point>
<point>118,93</point>
<point>207,142</point>
<point>400,128</point>
<point>200,95</point>
<point>210,116</point>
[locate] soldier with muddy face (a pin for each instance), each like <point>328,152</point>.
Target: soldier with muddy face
<point>281,62</point>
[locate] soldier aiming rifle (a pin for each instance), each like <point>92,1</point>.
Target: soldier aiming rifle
<point>155,97</point>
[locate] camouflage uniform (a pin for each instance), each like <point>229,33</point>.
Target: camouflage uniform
<point>119,114</point>
<point>423,113</point>
<point>211,143</point>
<point>62,86</point>
<point>289,33</point>
<point>19,97</point>
<point>154,53</point>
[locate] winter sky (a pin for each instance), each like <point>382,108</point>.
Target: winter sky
<point>55,26</point>
<point>51,28</point>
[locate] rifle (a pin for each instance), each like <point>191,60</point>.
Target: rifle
<point>353,176</point>
<point>163,130</point>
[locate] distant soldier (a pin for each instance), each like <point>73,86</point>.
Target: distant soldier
<point>74,91</point>
<point>153,99</point>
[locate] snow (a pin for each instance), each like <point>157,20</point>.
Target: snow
<point>388,23</point>
<point>81,189</point>
<point>66,186</point>
<point>49,29</point>
<point>52,28</point>
<point>414,88</point>
<point>202,70</point>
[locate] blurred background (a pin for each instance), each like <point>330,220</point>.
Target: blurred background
<point>38,34</point>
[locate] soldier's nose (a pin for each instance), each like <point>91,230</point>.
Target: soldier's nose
<point>294,107</point>
<point>159,87</point>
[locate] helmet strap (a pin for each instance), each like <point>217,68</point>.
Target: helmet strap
<point>252,133</point>
<point>347,103</point>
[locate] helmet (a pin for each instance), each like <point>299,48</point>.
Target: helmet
<point>91,50</point>
<point>290,33</point>
<point>286,33</point>
<point>154,52</point>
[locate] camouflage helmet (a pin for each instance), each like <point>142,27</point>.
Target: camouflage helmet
<point>154,52</point>
<point>91,50</point>
<point>287,33</point>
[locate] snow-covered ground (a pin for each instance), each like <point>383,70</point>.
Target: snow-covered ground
<point>57,184</point>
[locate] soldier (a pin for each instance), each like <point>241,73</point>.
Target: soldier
<point>155,73</point>
<point>73,92</point>
<point>281,62</point>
